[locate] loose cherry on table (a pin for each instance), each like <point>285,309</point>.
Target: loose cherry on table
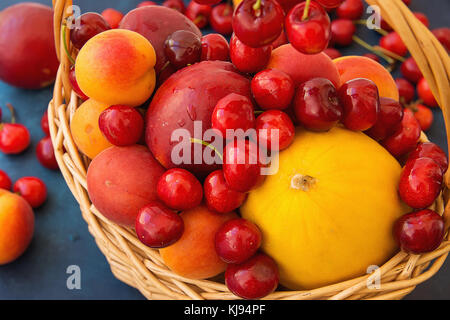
<point>113,17</point>
<point>333,53</point>
<point>215,47</point>
<point>179,189</point>
<point>221,18</point>
<point>410,70</point>
<point>46,154</point>
<point>248,59</point>
<point>183,48</point>
<point>443,35</point>
<point>253,279</point>
<point>419,232</point>
<point>393,43</point>
<point>316,105</point>
<point>389,119</point>
<point>175,4</point>
<point>88,25</point>
<point>5,181</point>
<point>32,189</point>
<point>406,90</point>
<point>218,195</point>
<point>198,13</point>
<point>309,33</point>
<point>424,115</point>
<point>273,89</point>
<point>157,226</point>
<point>275,125</point>
<point>342,31</point>
<point>361,104</point>
<point>432,151</point>
<point>258,23</point>
<point>44,124</point>
<point>424,93</point>
<point>121,125</point>
<point>350,9</point>
<point>237,240</point>
<point>75,86</point>
<point>14,137</point>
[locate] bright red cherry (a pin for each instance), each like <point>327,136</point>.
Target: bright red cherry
<point>14,138</point>
<point>422,18</point>
<point>237,240</point>
<point>406,90</point>
<point>372,56</point>
<point>5,181</point>
<point>183,48</point>
<point>44,123</point>
<point>389,119</point>
<point>273,89</point>
<point>258,23</point>
<point>75,86</point>
<point>207,2</point>
<point>316,105</point>
<point>121,125</point>
<point>350,9</point>
<point>443,35</point>
<point>221,18</point>
<point>253,279</point>
<point>215,47</point>
<point>424,92</point>
<point>432,151</point>
<point>419,232</point>
<point>330,4</point>
<point>342,31</point>
<point>175,4</point>
<point>179,189</point>
<point>271,124</point>
<point>31,189</point>
<point>332,53</point>
<point>198,13</point>
<point>46,154</point>
<point>424,115</point>
<point>393,43</point>
<point>113,17</point>
<point>88,25</point>
<point>146,3</point>
<point>248,59</point>
<point>157,226</point>
<point>361,103</point>
<point>410,70</point>
<point>312,34</point>
<point>218,195</point>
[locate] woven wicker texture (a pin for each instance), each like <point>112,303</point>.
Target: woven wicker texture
<point>143,268</point>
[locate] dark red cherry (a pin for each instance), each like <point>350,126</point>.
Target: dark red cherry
<point>44,123</point>
<point>330,4</point>
<point>422,18</point>
<point>372,56</point>
<point>410,70</point>
<point>273,89</point>
<point>248,59</point>
<point>183,48</point>
<point>425,93</point>
<point>75,86</point>
<point>389,119</point>
<point>198,13</point>
<point>215,47</point>
<point>430,150</point>
<point>221,19</point>
<point>32,189</point>
<point>350,9</point>
<point>175,4</point>
<point>406,90</point>
<point>393,43</point>
<point>443,35</point>
<point>46,154</point>
<point>332,53</point>
<point>275,130</point>
<point>207,2</point>
<point>86,27</point>
<point>342,31</point>
<point>5,181</point>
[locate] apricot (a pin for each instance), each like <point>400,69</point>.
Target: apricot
<point>117,67</point>
<point>85,130</point>
<point>194,255</point>
<point>121,180</point>
<point>351,67</point>
<point>16,226</point>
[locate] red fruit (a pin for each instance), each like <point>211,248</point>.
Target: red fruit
<point>316,105</point>
<point>221,19</point>
<point>207,2</point>
<point>384,25</point>
<point>218,195</point>
<point>424,116</point>
<point>233,112</point>
<point>389,119</point>
<point>361,103</point>
<point>74,84</point>
<point>393,43</point>
<point>410,70</point>
<point>215,47</point>
<point>157,226</point>
<point>342,31</point>
<point>44,123</point>
<point>424,92</point>
<point>146,3</point>
<point>407,2</point>
<point>419,232</point>
<point>121,125</point>
<point>86,27</point>
<point>432,151</point>
<point>350,9</point>
<point>423,18</point>
<point>443,35</point>
<point>372,56</point>
<point>330,4</point>
<point>279,41</point>
<point>273,89</point>
<point>332,53</point>
<point>406,90</point>
<point>258,26</point>
<point>31,189</point>
<point>5,181</point>
<point>183,48</point>
<point>237,241</point>
<point>179,189</point>
<point>198,13</point>
<point>113,17</point>
<point>266,124</point>
<point>248,59</point>
<point>46,154</point>
<point>253,279</point>
<point>311,35</point>
<point>14,138</point>
<point>175,4</point>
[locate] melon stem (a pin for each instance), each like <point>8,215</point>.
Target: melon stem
<point>302,182</point>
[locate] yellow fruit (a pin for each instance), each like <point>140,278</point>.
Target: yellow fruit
<point>327,214</point>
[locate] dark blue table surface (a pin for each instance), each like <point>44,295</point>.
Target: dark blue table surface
<point>61,235</point>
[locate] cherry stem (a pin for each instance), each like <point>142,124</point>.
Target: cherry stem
<point>209,145</point>
<point>13,114</point>
<point>257,5</point>
<point>66,49</point>
<point>306,11</point>
<point>379,30</point>
<point>256,112</point>
<point>390,53</point>
<point>372,49</point>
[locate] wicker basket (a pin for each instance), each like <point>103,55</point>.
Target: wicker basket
<point>142,267</point>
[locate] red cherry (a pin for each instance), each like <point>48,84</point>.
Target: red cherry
<point>179,189</point>
<point>424,92</point>
<point>330,4</point>
<point>157,226</point>
<point>218,195</point>
<point>215,47</point>
<point>389,119</point>
<point>5,181</point>
<point>423,18</point>
<point>75,86</point>
<point>405,89</point>
<point>316,105</point>
<point>350,9</point>
<point>424,115</point>
<point>419,232</point>
<point>175,4</point>
<point>207,2</point>
<point>146,3</point>
<point>44,123</point>
<point>253,279</point>
<point>332,53</point>
<point>233,112</point>
<point>248,59</point>
<point>342,31</point>
<point>384,25</point>
<point>46,154</point>
<point>432,151</point>
<point>279,41</point>
<point>221,18</point>
<point>237,241</point>
<point>443,35</point>
<point>393,43</point>
<point>273,89</point>
<point>258,23</point>
<point>311,35</point>
<point>372,56</point>
<point>14,138</point>
<point>198,13</point>
<point>410,70</point>
<point>121,125</point>
<point>32,189</point>
<point>266,124</point>
<point>88,25</point>
<point>113,17</point>
<point>183,48</point>
<point>407,2</point>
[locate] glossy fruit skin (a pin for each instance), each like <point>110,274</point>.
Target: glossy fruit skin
<point>46,154</point>
<point>113,17</point>
<point>342,31</point>
<point>183,48</point>
<point>432,151</point>
<point>393,43</point>
<point>281,40</point>
<point>90,24</point>
<point>361,103</point>
<point>424,92</point>
<point>121,125</point>
<point>146,3</point>
<point>312,35</point>
<point>75,86</point>
<point>443,35</point>
<point>350,9</point>
<point>31,189</point>
<point>14,138</point>
<point>44,123</point>
<point>221,19</point>
<point>424,115</point>
<point>372,56</point>
<point>198,13</point>
<point>175,4</point>
<point>179,189</point>
<point>237,241</point>
<point>5,181</point>
<point>420,182</point>
<point>273,89</point>
<point>389,119</point>
<point>233,112</point>
<point>419,232</point>
<point>406,90</point>
<point>258,28</point>
<point>330,4</point>
<point>410,70</point>
<point>218,195</point>
<point>215,47</point>
<point>333,53</point>
<point>253,279</point>
<point>275,120</point>
<point>157,226</point>
<point>248,59</point>
<point>207,2</point>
